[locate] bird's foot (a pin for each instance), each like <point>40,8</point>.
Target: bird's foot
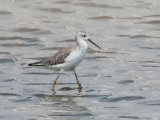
<point>80,87</point>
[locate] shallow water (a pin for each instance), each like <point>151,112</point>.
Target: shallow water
<point>120,82</point>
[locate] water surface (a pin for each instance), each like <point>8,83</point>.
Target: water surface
<point>119,82</point>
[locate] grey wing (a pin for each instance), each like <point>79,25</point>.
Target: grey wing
<point>58,58</point>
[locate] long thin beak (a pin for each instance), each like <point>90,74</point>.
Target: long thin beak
<point>94,43</point>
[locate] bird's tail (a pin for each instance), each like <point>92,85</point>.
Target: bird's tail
<point>39,63</point>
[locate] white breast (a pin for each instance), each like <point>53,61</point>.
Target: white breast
<point>76,56</point>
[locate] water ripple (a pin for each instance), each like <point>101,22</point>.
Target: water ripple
<point>4,53</point>
<point>143,36</point>
<point>63,2</point>
<point>5,12</point>
<point>152,103</point>
<point>6,60</point>
<point>98,5</point>
<point>74,96</point>
<point>156,48</point>
<point>22,100</point>
<point>53,10</point>
<point>19,44</point>
<point>26,29</point>
<point>38,73</point>
<point>130,117</point>
<point>8,94</point>
<point>153,22</point>
<point>101,18</point>
<point>71,114</point>
<point>126,82</point>
<point>117,99</point>
<point>9,80</point>
<point>19,38</point>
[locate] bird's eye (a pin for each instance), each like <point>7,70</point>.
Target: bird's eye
<point>84,35</point>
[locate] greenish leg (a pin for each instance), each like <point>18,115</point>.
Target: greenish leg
<point>79,84</point>
<point>55,81</point>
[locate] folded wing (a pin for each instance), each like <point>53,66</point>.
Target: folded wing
<point>58,58</point>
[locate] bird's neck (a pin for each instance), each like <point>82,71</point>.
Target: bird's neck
<point>82,43</point>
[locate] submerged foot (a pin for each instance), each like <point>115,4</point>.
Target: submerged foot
<point>80,87</point>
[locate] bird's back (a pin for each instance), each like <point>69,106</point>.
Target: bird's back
<point>58,58</point>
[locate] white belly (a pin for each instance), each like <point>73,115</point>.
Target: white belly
<point>74,58</point>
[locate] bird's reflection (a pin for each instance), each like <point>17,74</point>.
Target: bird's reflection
<point>54,91</point>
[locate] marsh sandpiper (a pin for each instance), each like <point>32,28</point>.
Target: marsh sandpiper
<point>68,58</point>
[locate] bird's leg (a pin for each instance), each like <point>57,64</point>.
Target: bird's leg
<point>79,84</point>
<point>55,81</point>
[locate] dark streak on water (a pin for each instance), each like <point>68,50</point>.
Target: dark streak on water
<point>26,30</point>
<point>98,5</point>
<point>20,38</point>
<point>73,96</point>
<point>157,48</point>
<point>125,98</point>
<point>38,73</point>
<point>73,115</point>
<point>1,53</point>
<point>9,80</point>
<point>5,13</point>
<point>130,117</point>
<point>127,82</point>
<point>8,94</point>
<point>53,10</point>
<point>101,18</point>
<point>19,45</point>
<point>6,60</point>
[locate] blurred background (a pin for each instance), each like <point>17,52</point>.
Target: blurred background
<point>120,82</point>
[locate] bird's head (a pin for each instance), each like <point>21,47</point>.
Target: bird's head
<point>83,35</point>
